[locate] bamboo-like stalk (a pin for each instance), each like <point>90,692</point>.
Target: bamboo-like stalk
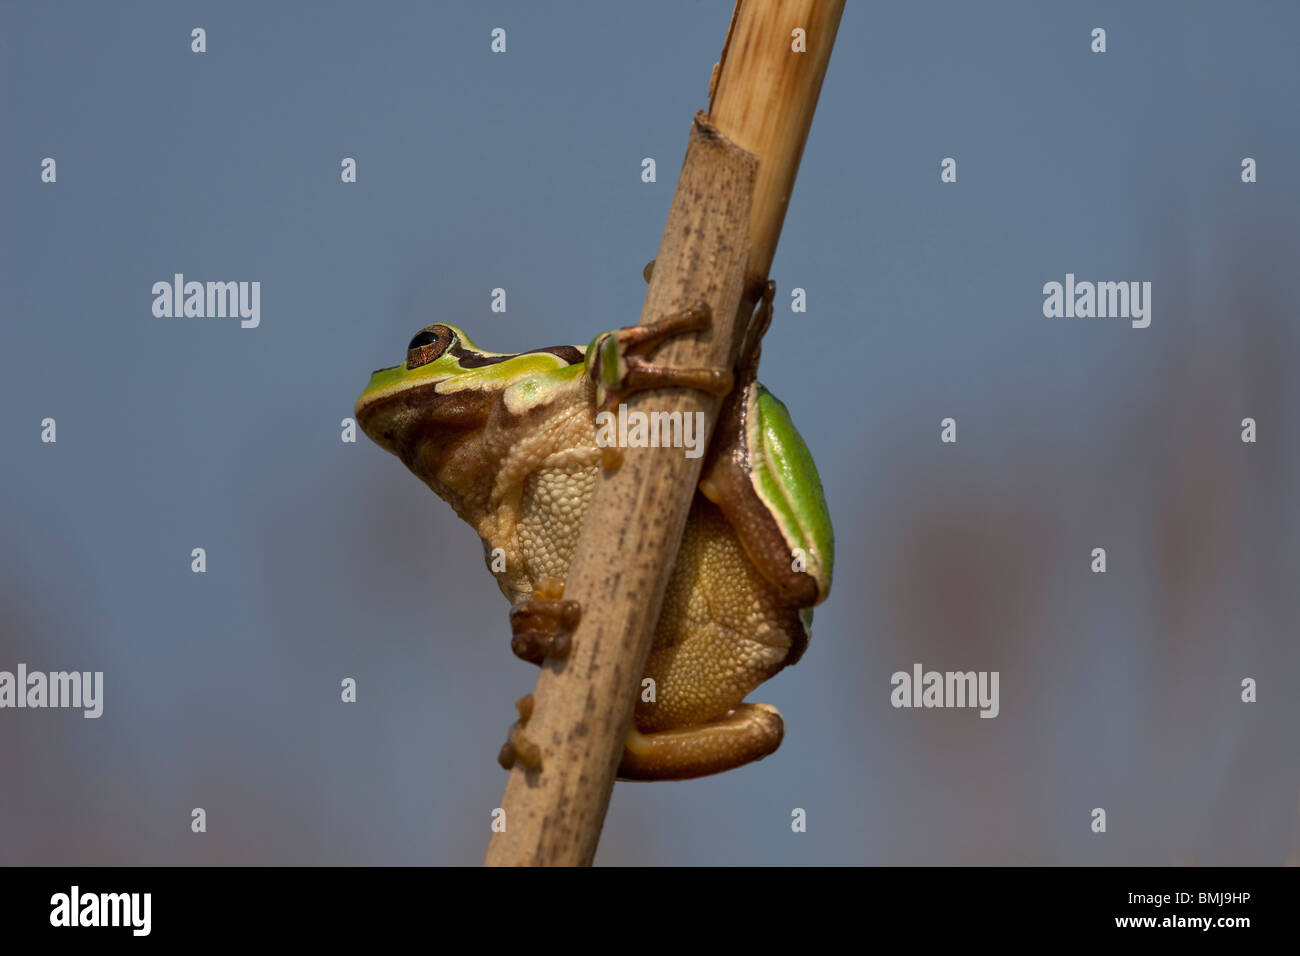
<point>763,97</point>
<point>717,245</point>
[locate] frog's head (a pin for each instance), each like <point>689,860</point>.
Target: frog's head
<point>425,408</point>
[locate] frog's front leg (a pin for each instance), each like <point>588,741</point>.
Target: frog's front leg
<point>748,732</point>
<point>615,365</point>
<point>543,625</point>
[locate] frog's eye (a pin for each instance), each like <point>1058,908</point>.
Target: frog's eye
<point>427,344</point>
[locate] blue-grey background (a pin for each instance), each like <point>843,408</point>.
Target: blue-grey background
<point>522,170</point>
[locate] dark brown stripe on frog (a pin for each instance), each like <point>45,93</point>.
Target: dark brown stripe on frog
<point>470,359</point>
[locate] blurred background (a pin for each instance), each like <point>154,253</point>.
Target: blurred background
<point>329,560</point>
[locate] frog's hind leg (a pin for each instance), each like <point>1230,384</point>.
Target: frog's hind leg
<point>721,633</point>
<point>748,732</point>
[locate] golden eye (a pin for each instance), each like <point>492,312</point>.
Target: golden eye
<point>427,344</point>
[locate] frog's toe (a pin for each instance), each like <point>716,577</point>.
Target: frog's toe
<point>542,627</point>
<point>749,732</point>
<point>518,745</point>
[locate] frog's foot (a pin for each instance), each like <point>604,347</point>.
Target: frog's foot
<point>517,745</point>
<point>747,365</point>
<point>543,625</point>
<point>615,363</point>
<point>749,732</point>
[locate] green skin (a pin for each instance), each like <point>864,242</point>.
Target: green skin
<point>487,430</point>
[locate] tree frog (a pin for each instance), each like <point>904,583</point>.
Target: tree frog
<point>508,440</point>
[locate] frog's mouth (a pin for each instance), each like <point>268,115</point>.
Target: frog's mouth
<point>420,426</point>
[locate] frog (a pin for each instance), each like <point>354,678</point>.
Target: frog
<point>509,440</point>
